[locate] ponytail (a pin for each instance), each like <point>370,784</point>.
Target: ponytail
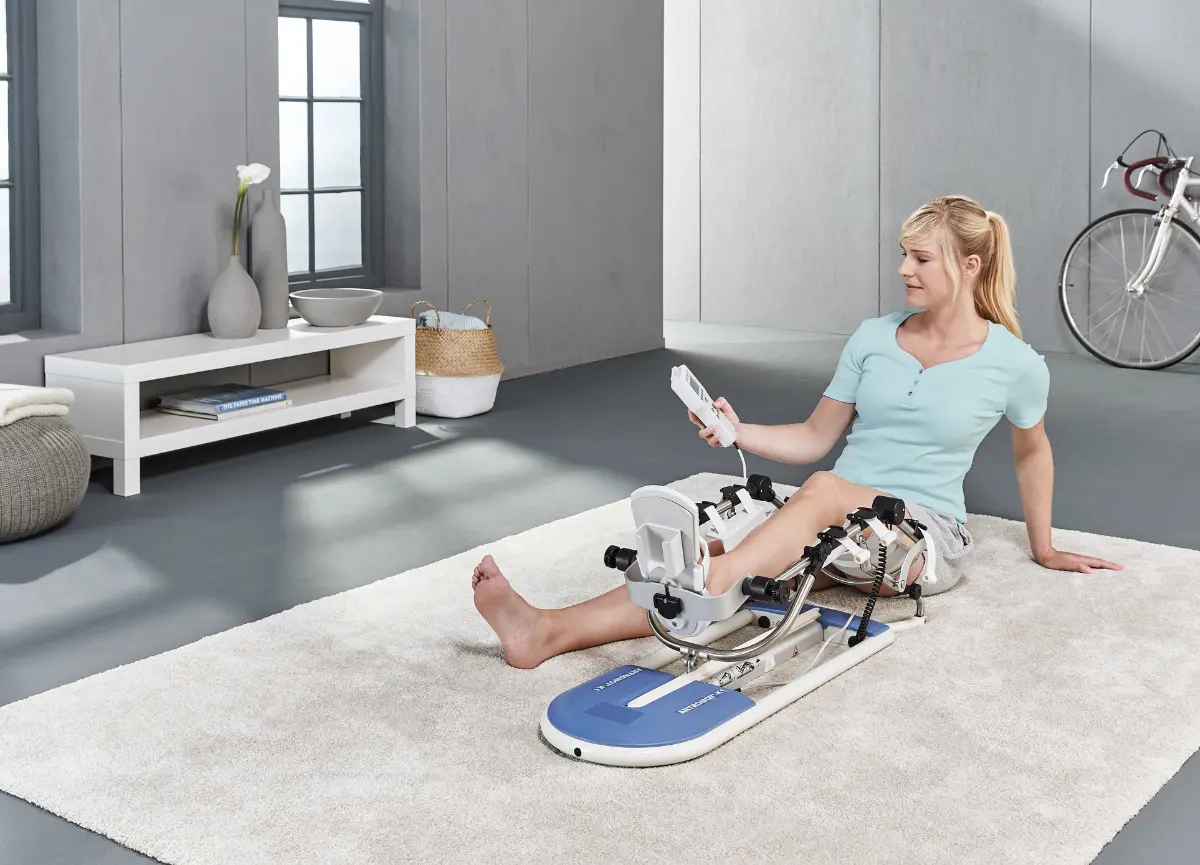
<point>997,287</point>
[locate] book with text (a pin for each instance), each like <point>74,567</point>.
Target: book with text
<point>221,398</point>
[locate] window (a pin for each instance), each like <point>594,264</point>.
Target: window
<point>19,222</point>
<point>330,139</point>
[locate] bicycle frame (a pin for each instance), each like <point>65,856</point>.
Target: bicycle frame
<point>1179,202</point>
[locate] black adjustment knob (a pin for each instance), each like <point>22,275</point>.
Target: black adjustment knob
<point>619,558</point>
<point>914,591</point>
<point>889,509</point>
<point>760,488</point>
<point>668,606</point>
<point>782,591</point>
<point>767,589</point>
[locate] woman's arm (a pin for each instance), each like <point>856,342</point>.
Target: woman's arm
<point>1034,462</point>
<point>797,443</point>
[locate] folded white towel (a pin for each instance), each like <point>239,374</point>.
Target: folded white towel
<point>450,320</point>
<point>18,401</point>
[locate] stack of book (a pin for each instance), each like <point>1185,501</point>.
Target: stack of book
<point>223,401</point>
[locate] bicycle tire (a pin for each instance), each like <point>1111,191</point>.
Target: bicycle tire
<point>1179,356</point>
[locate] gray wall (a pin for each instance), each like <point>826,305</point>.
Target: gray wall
<point>524,165</point>
<point>542,176</point>
<point>681,149</point>
<point>824,125</point>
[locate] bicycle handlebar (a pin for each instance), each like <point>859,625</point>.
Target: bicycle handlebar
<point>1143,163</point>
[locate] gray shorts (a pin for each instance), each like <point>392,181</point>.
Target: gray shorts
<point>953,542</point>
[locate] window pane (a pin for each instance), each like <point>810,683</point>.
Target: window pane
<point>293,145</point>
<point>3,36</point>
<point>5,247</point>
<point>295,213</point>
<point>336,69</point>
<point>337,154</point>
<point>293,57</point>
<point>4,174</point>
<point>339,229</point>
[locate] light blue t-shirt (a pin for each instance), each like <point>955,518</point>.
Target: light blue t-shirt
<point>917,430</point>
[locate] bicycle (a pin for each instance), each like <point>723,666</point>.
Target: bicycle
<point>1134,284</point>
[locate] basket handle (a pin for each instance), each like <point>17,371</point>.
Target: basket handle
<point>488,322</point>
<point>436,314</point>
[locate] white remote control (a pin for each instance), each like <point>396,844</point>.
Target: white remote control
<point>696,398</point>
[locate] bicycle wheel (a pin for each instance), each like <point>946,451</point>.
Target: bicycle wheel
<point>1149,329</point>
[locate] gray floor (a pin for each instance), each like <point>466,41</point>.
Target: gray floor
<point>230,533</point>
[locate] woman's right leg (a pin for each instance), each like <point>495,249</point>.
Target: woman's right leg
<point>530,635</point>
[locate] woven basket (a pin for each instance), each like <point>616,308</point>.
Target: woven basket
<point>458,371</point>
<point>447,352</point>
<point>44,474</point>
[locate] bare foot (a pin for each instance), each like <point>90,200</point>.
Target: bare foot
<point>511,616</point>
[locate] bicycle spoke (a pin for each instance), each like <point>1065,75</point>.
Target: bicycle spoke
<point>1121,305</point>
<point>1161,325</point>
<point>1166,296</point>
<point>1091,267</point>
<point>1115,313</point>
<point>1168,347</point>
<point>1124,321</point>
<point>1117,260</point>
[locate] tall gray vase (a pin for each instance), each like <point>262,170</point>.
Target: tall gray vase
<point>234,309</point>
<point>268,236</point>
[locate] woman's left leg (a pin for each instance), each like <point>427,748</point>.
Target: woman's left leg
<point>824,500</point>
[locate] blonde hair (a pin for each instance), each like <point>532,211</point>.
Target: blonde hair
<point>971,230</point>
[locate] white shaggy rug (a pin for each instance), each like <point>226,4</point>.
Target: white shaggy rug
<point>1035,714</point>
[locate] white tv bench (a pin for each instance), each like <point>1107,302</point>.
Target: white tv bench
<point>369,365</point>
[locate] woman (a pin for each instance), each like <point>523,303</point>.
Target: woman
<point>926,387</point>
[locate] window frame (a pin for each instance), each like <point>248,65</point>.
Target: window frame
<point>23,309</point>
<point>370,274</point>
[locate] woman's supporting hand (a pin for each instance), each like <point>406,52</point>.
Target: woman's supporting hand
<point>1058,560</point>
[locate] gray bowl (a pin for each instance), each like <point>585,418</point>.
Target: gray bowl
<point>336,307</point>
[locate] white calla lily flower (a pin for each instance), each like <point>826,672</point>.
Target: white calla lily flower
<point>256,172</point>
<point>248,175</point>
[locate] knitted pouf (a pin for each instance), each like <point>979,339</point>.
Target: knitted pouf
<point>44,469</point>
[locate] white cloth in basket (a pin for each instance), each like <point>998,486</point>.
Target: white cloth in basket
<point>18,401</point>
<point>450,320</point>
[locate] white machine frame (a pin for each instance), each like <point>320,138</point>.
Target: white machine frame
<point>662,576</point>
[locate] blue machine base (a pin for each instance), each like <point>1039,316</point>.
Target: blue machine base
<point>598,710</point>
